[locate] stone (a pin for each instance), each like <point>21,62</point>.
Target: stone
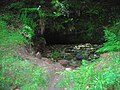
<point>88,45</point>
<point>68,69</point>
<point>79,56</point>
<point>64,63</point>
<point>38,55</point>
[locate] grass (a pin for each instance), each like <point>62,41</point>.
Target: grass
<point>99,75</point>
<point>16,72</point>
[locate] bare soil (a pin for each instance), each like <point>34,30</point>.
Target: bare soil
<point>47,65</point>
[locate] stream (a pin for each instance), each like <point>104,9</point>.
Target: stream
<point>72,53</point>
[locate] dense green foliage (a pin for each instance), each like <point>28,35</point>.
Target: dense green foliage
<point>94,76</point>
<point>15,71</point>
<point>112,36</point>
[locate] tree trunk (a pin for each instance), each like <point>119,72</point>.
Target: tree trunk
<point>42,26</point>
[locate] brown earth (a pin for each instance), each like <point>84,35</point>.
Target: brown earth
<point>46,64</point>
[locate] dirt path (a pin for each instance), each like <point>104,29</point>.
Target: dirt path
<point>51,68</point>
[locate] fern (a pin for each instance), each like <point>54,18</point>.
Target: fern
<point>112,42</point>
<point>28,26</point>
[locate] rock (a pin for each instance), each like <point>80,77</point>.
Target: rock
<point>79,56</point>
<point>95,45</point>
<point>88,45</point>
<point>92,48</point>
<point>68,69</point>
<point>64,63</point>
<point>38,55</point>
<point>96,56</point>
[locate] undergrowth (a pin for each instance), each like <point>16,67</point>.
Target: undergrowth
<point>88,77</point>
<point>16,72</point>
<point>112,36</point>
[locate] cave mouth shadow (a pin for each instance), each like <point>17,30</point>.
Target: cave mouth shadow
<point>65,40</point>
<point>58,37</point>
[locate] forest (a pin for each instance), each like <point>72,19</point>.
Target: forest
<point>59,45</point>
